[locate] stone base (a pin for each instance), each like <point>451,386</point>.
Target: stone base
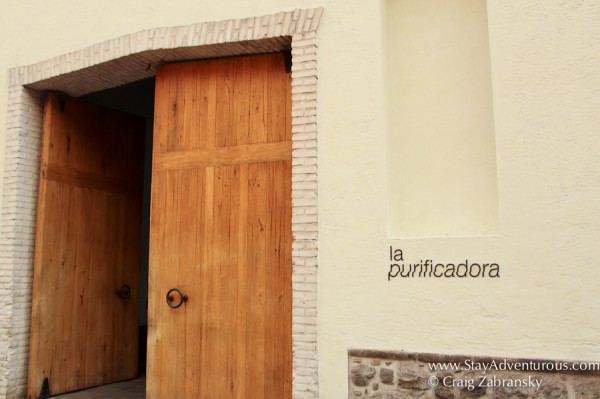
<point>399,375</point>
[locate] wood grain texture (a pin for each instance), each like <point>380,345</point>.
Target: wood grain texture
<point>221,230</point>
<point>87,246</point>
<point>245,153</point>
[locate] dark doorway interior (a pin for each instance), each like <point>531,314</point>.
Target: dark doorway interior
<point>137,98</point>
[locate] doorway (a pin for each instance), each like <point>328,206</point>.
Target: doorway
<point>220,233</point>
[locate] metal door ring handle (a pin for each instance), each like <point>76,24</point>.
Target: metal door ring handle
<point>124,292</point>
<point>182,298</point>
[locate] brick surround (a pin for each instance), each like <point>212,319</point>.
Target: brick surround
<point>127,59</point>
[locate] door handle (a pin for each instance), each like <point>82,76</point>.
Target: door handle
<point>124,292</point>
<point>170,298</point>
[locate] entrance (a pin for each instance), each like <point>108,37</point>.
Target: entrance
<point>220,239</point>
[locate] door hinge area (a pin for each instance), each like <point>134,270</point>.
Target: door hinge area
<point>61,97</point>
<point>62,101</point>
<point>287,59</point>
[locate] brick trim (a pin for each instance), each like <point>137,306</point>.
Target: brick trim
<point>127,59</point>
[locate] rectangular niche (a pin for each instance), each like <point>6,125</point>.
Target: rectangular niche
<point>441,150</point>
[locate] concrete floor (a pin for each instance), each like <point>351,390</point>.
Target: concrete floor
<point>133,389</point>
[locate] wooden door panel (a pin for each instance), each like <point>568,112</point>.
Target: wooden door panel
<point>87,246</point>
<point>221,230</point>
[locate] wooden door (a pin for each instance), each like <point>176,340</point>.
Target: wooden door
<point>87,247</point>
<point>221,230</point>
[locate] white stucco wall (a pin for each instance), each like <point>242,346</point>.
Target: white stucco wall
<point>546,95</point>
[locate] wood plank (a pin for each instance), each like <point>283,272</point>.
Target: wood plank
<point>232,168</point>
<point>258,100</point>
<point>208,280</point>
<point>158,217</point>
<point>240,108</point>
<point>192,250</point>
<point>285,302</point>
<point>220,266</point>
<point>172,353</point>
<point>271,284</point>
<point>175,110</point>
<point>277,86</point>
<point>248,153</point>
<point>255,293</point>
<point>209,124</point>
<point>161,110</point>
<point>226,96</point>
<point>83,179</point>
<point>241,315</point>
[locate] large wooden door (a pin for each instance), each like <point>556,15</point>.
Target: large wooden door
<point>87,248</point>
<point>221,231</point>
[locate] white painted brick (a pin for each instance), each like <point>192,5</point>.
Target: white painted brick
<point>304,219</point>
<point>304,89</point>
<point>304,337</point>
<point>305,185</point>
<point>303,235</point>
<point>304,120</point>
<point>304,136</point>
<point>305,153</point>
<point>308,42</point>
<point>304,65</point>
<point>306,170</point>
<point>305,201</point>
<point>304,72</point>
<point>308,128</point>
<point>296,51</point>
<point>309,81</point>
<point>298,145</point>
<point>303,287</point>
<point>302,98</point>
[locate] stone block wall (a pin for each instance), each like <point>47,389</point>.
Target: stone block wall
<point>399,375</point>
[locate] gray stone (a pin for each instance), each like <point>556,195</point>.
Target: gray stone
<point>375,362</point>
<point>412,379</point>
<point>472,386</point>
<point>375,386</point>
<point>386,395</point>
<point>361,375</point>
<point>386,376</point>
<point>475,392</point>
<point>510,393</point>
<point>552,389</point>
<point>444,393</point>
<point>588,390</point>
<point>404,394</point>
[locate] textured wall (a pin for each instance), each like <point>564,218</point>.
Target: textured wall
<point>398,375</point>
